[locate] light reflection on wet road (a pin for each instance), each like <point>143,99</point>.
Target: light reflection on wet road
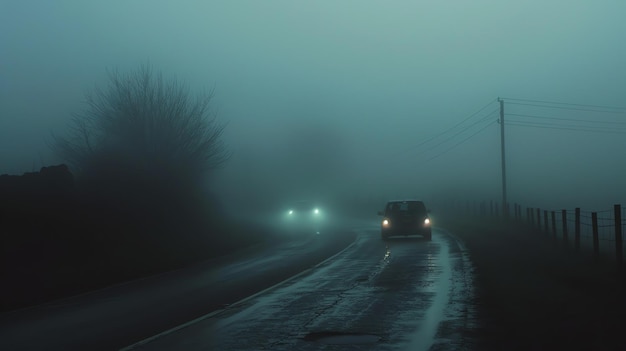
<point>403,294</point>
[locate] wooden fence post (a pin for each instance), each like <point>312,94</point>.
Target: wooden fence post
<point>539,218</point>
<point>526,217</point>
<point>545,221</point>
<point>596,239</point>
<point>577,229</point>
<point>617,209</point>
<point>553,224</point>
<point>564,221</point>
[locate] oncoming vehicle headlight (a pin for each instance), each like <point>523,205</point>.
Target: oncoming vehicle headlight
<point>427,221</point>
<point>316,211</point>
<point>290,212</point>
<point>386,222</point>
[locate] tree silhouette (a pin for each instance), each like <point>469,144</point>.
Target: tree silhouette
<point>144,146</point>
<point>148,121</point>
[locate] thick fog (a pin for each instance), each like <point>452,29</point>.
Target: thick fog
<point>353,99</point>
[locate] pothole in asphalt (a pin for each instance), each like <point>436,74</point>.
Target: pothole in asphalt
<point>342,338</point>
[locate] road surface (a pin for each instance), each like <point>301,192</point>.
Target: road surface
<point>112,318</point>
<point>403,294</point>
<point>344,289</point>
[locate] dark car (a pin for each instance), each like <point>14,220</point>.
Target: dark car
<point>405,217</point>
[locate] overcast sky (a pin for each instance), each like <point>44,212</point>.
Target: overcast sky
<point>377,78</point>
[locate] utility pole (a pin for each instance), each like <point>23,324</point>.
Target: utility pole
<point>505,212</point>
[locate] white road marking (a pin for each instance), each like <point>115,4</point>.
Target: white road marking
<point>240,302</point>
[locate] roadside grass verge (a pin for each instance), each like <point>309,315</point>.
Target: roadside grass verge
<point>58,257</point>
<point>534,293</point>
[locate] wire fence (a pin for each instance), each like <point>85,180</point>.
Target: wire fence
<point>598,232</point>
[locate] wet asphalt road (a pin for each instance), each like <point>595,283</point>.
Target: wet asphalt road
<point>112,318</point>
<point>403,294</point>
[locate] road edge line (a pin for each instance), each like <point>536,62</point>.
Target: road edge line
<point>242,301</point>
<point>458,240</point>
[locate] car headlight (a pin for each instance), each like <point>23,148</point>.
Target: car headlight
<point>427,221</point>
<point>316,211</point>
<point>386,223</point>
<point>290,212</point>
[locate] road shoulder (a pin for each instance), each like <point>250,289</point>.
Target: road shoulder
<point>533,294</point>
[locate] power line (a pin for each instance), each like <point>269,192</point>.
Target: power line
<point>610,127</point>
<point>486,117</point>
<point>563,107</point>
<point>447,130</point>
<point>536,125</point>
<point>462,141</point>
<point>467,129</point>
<point>582,127</point>
<point>564,119</point>
<point>568,104</point>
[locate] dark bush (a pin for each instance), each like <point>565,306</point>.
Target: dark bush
<point>143,150</point>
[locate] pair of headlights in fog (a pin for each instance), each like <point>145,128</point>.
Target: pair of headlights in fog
<point>315,211</point>
<point>387,223</point>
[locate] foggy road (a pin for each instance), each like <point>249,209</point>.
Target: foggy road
<point>407,293</point>
<point>132,122</point>
<point>120,315</point>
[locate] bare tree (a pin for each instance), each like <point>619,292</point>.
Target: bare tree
<point>142,151</point>
<point>150,123</point>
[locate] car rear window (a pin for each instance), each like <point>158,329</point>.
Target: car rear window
<point>406,207</point>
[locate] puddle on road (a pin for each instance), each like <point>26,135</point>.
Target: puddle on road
<point>342,338</point>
